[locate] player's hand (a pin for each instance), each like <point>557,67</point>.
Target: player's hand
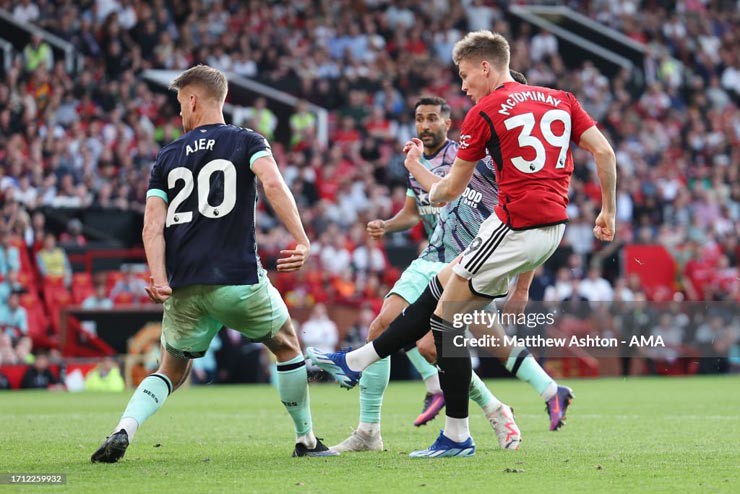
<point>376,229</point>
<point>516,303</point>
<point>413,149</point>
<point>293,259</point>
<point>605,227</point>
<point>158,293</point>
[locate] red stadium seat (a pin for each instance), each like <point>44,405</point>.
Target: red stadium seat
<point>111,278</point>
<point>124,299</point>
<point>82,287</point>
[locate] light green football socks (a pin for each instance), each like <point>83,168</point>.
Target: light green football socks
<point>523,365</point>
<point>373,384</point>
<point>146,400</point>
<point>292,384</point>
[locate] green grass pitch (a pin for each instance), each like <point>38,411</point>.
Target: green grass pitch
<point>638,435</point>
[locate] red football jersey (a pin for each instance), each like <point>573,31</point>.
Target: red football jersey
<point>528,131</point>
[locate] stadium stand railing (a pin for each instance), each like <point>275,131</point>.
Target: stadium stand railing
<point>6,50</point>
<point>19,34</point>
<point>611,61</point>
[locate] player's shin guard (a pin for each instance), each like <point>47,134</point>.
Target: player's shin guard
<point>412,324</point>
<point>523,365</point>
<point>293,389</point>
<point>373,384</point>
<point>146,400</point>
<point>454,372</point>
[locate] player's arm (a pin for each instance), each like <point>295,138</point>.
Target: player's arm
<point>454,183</point>
<point>406,218</point>
<point>474,134</point>
<point>593,141</point>
<point>155,215</point>
<point>414,149</point>
<point>283,203</point>
<point>519,297</point>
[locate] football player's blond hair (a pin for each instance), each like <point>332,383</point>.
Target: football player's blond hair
<point>483,45</point>
<point>212,80</point>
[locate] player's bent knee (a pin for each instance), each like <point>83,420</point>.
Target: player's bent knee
<point>175,367</point>
<point>427,349</point>
<point>183,377</point>
<point>284,344</point>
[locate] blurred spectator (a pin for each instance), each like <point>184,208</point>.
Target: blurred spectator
<point>53,262</point>
<point>543,45</point>
<point>344,287</point>
<point>10,284</point>
<point>672,335</point>
<point>369,258</point>
<point>580,233</point>
<point>14,318</point>
<point>106,376</point>
<point>258,117</point>
<point>38,53</point>
<point>26,11</point>
<point>481,15</point>
<point>10,259</point>
<point>205,368</point>
<point>98,300</point>
<point>716,338</point>
<point>23,350</point>
<point>73,236</point>
<point>335,258</point>
<point>7,355</point>
<point>39,375</point>
<point>319,331</point>
<point>4,383</point>
<point>130,284</point>
<point>622,292</point>
<point>562,289</point>
<point>302,124</point>
<point>595,288</point>
<point>356,335</point>
<point>636,320</point>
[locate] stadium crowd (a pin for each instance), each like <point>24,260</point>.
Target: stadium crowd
<point>88,139</point>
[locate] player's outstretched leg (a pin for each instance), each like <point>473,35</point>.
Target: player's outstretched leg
<point>411,325</point>
<point>557,398</point>
<point>146,400</point>
<point>455,439</point>
<point>499,415</point>
<point>293,389</point>
<point>373,383</point>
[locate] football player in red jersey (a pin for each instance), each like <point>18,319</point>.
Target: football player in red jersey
<point>527,130</point>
